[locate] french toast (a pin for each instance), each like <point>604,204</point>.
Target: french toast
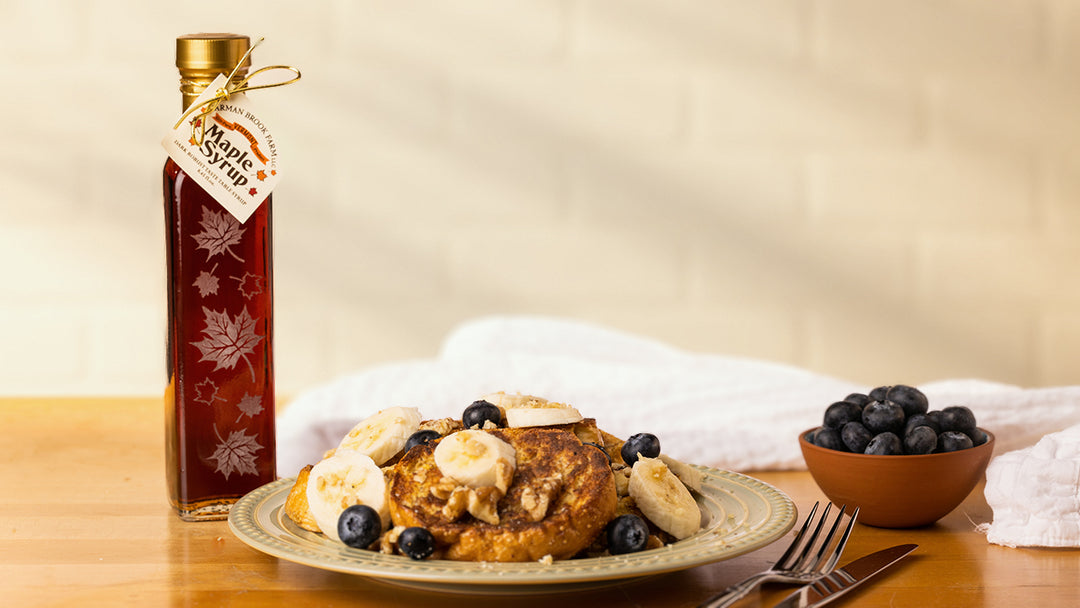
<point>540,485</point>
<point>296,504</point>
<point>561,498</point>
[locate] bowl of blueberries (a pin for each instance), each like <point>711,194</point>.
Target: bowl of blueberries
<point>903,464</point>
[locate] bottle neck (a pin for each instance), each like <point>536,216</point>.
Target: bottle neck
<point>194,82</point>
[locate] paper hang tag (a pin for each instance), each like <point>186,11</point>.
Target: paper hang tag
<point>237,163</point>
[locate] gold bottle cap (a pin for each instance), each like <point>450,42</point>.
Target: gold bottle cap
<point>201,57</point>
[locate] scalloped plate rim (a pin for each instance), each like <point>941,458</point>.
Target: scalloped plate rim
<point>258,520</point>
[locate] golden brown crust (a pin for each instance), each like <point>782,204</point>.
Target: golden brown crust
<point>581,506</point>
<point>613,446</point>
<point>296,505</point>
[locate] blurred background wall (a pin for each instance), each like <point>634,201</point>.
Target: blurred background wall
<point>881,190</point>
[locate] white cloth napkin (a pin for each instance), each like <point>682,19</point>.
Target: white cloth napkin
<point>727,412</point>
<point>1035,493</point>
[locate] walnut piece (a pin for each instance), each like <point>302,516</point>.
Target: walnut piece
<point>456,503</point>
<point>483,503</point>
<point>536,502</point>
<point>622,479</point>
<point>504,475</point>
<point>444,488</point>
<point>388,541</point>
<point>442,426</point>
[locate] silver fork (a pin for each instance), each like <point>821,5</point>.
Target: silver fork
<point>800,563</point>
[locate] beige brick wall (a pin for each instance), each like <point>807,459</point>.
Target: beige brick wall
<point>882,190</point>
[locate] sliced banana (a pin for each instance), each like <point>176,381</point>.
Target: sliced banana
<point>336,483</point>
<point>547,413</point>
<point>382,435</point>
<point>687,474</point>
<point>505,401</point>
<point>663,499</point>
<point>476,459</point>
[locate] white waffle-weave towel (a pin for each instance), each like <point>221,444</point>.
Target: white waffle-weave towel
<point>728,412</point>
<point>1035,493</point>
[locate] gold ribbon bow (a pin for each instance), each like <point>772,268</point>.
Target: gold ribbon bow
<point>222,94</point>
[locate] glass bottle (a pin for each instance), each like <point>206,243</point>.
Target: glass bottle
<point>219,401</point>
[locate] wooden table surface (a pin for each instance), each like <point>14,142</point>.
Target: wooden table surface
<point>84,522</point>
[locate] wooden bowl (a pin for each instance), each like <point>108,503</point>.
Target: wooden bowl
<point>897,491</point>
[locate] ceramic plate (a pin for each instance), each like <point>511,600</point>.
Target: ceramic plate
<point>740,514</point>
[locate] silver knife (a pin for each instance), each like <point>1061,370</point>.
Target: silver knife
<point>844,579</point>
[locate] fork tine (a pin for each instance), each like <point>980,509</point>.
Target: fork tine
<point>798,537</point>
<point>807,558</point>
<point>842,543</point>
<point>820,559</point>
<point>800,552</point>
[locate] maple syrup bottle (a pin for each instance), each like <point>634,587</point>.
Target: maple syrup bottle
<point>219,401</point>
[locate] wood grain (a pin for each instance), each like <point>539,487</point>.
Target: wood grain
<point>84,521</point>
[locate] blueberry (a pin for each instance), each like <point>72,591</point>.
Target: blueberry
<point>841,413</point>
<point>480,412</point>
<point>978,437</point>
<point>858,399</point>
<point>416,543</point>
<point>855,437</point>
<point>920,440</point>
<point>910,398</point>
<point>884,444</point>
<point>935,416</point>
<point>879,393</point>
<point>627,534</point>
<point>922,420</point>
<point>883,417</point>
<point>421,438</point>
<point>952,441</point>
<point>359,526</point>
<point>957,418</point>
<point>829,439</point>
<point>645,444</point>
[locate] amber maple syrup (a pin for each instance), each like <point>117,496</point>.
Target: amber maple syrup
<point>219,402</point>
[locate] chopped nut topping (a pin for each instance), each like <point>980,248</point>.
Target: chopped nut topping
<point>622,479</point>
<point>456,503</point>
<point>442,426</point>
<point>483,503</point>
<point>388,541</point>
<point>504,474</point>
<point>444,488</point>
<point>626,505</point>
<point>536,502</point>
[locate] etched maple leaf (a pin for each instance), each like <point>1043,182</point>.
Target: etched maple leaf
<point>206,392</point>
<point>207,282</point>
<point>236,454</point>
<point>250,405</point>
<point>251,285</point>
<point>220,231</point>
<point>228,339</point>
